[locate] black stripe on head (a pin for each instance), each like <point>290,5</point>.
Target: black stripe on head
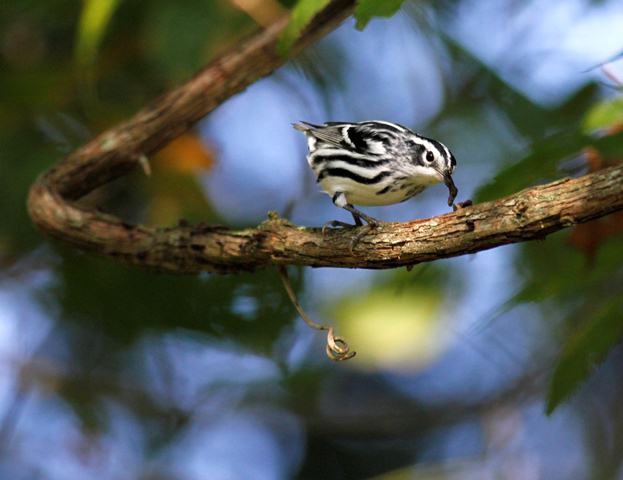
<point>452,161</point>
<point>439,146</point>
<point>443,150</point>
<point>342,172</point>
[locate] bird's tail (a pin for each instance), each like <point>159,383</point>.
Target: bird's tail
<point>304,126</point>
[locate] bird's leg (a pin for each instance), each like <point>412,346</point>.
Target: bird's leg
<point>365,229</point>
<point>460,205</point>
<point>357,219</point>
<point>339,200</point>
<point>358,215</point>
<point>335,223</point>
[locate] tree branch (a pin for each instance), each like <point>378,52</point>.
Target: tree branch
<point>530,214</point>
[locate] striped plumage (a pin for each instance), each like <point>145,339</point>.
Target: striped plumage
<point>375,163</point>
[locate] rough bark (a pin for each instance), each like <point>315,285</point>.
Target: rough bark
<point>530,214</point>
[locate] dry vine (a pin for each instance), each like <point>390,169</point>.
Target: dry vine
<point>337,348</point>
<point>529,214</point>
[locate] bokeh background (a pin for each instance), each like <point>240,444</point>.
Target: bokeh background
<point>109,372</point>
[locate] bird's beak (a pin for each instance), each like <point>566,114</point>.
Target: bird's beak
<point>447,179</point>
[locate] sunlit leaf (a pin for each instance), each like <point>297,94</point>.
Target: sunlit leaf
<point>396,324</point>
<point>389,330</point>
<point>366,10</point>
<point>302,13</point>
<point>604,115</point>
<point>588,347</point>
<point>94,19</point>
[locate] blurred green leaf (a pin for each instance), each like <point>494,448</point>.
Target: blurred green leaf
<point>302,14</point>
<point>366,10</point>
<point>551,268</point>
<point>541,164</point>
<point>604,115</point>
<point>609,146</point>
<point>587,348</point>
<point>484,87</point>
<point>94,19</point>
<point>125,303</point>
<point>180,37</point>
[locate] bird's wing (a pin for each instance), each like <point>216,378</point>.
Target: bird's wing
<point>370,138</point>
<point>366,138</point>
<point>331,132</point>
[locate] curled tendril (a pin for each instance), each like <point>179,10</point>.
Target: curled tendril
<point>337,348</point>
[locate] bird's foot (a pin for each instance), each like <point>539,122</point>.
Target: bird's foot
<point>335,224</point>
<point>460,205</point>
<point>363,231</point>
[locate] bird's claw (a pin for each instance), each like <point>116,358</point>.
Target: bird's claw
<point>460,205</point>
<point>335,224</point>
<point>362,232</point>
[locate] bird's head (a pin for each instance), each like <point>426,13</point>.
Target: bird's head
<point>434,161</point>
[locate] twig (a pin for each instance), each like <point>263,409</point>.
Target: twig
<point>337,348</point>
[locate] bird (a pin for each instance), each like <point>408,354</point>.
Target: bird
<point>374,163</point>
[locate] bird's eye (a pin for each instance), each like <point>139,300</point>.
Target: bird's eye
<point>430,157</point>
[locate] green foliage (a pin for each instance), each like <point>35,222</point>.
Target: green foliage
<point>94,19</point>
<point>305,10</point>
<point>540,164</point>
<point>543,161</point>
<point>366,10</point>
<point>218,306</point>
<point>588,346</point>
<point>605,114</point>
<point>551,271</point>
<point>553,134</point>
<point>303,13</point>
<point>180,37</point>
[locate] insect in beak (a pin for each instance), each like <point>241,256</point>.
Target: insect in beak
<point>447,179</point>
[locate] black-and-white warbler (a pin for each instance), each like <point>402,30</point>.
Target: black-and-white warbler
<point>375,163</point>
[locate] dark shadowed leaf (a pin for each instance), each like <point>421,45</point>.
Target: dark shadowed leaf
<point>542,163</point>
<point>249,308</point>
<point>588,347</point>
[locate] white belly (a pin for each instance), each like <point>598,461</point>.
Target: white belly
<point>359,194</point>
